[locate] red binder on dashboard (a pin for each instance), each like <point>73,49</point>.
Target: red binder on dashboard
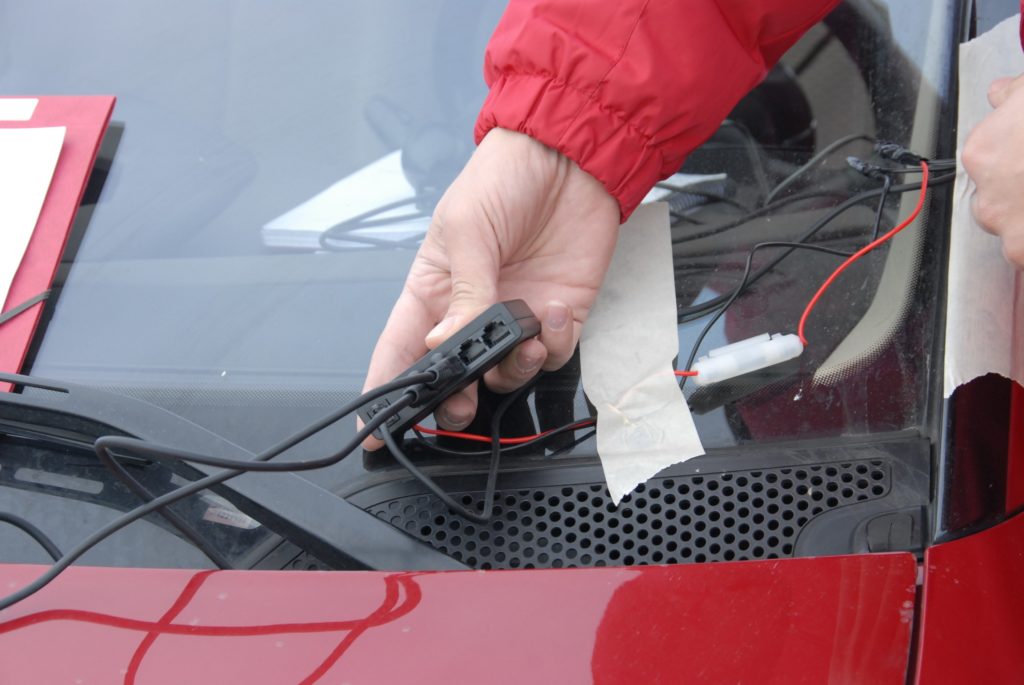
<point>86,119</point>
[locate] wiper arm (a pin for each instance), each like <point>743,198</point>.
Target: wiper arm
<point>332,529</point>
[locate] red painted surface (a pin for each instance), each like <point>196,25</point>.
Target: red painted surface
<point>836,619</point>
<point>972,622</point>
<point>86,120</point>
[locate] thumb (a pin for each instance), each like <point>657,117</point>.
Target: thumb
<point>1002,88</point>
<point>474,278</point>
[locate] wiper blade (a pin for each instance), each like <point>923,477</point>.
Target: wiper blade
<point>327,526</point>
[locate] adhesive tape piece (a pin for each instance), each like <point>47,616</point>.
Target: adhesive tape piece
<point>985,295</point>
<point>626,351</point>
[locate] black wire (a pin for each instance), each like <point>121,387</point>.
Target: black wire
<point>492,470</point>
<point>162,453</point>
<point>427,481</point>
<point>33,532</point>
<point>711,259</point>
<point>106,444</point>
<point>692,312</point>
<point>196,486</point>
<point>169,515</point>
<point>791,199</point>
<point>434,447</point>
<point>886,185</point>
<point>743,282</point>
<point>819,156</point>
<point>934,165</point>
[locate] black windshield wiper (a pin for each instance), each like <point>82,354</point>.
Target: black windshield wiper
<point>335,531</point>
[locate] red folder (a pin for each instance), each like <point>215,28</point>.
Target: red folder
<point>86,119</point>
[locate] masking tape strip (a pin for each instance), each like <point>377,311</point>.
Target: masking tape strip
<point>626,351</point>
<point>985,295</point>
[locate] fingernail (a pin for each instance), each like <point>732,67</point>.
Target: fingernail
<point>527,363</point>
<point>557,316</point>
<point>456,421</point>
<point>441,328</point>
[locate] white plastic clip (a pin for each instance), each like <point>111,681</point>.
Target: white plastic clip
<point>744,356</point>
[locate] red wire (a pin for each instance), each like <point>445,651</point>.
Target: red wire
<point>515,441</point>
<point>502,441</point>
<point>863,251</point>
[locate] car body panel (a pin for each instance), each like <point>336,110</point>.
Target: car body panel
<point>836,619</point>
<point>972,623</point>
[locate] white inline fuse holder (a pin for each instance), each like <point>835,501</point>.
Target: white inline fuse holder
<point>744,356</point>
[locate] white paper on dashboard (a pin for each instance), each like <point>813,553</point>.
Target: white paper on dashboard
<point>28,158</point>
<point>626,352</point>
<point>678,183</point>
<point>985,301</point>
<point>17,109</point>
<point>375,185</point>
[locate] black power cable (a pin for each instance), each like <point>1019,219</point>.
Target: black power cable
<point>157,503</point>
<point>39,536</point>
<point>106,445</point>
<point>886,186</point>
<point>492,471</point>
<point>190,533</point>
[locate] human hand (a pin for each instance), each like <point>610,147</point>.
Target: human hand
<point>993,156</point>
<point>520,221</point>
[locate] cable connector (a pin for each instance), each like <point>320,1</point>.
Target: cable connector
<point>866,168</point>
<point>445,367</point>
<point>898,153</point>
<point>461,359</point>
<point>744,356</point>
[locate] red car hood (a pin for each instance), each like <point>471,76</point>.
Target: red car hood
<point>835,619</point>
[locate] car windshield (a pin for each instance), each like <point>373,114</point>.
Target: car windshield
<point>268,172</point>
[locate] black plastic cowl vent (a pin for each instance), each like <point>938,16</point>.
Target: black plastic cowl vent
<point>721,517</point>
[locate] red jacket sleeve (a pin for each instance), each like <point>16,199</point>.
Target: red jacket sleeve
<point>627,88</point>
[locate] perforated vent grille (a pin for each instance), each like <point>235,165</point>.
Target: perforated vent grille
<point>720,517</point>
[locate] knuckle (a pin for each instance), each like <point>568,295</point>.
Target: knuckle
<point>987,212</point>
<point>971,154</point>
<point>1013,250</point>
<point>979,152</point>
<point>463,287</point>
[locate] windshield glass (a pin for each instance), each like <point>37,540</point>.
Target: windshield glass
<point>199,278</point>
